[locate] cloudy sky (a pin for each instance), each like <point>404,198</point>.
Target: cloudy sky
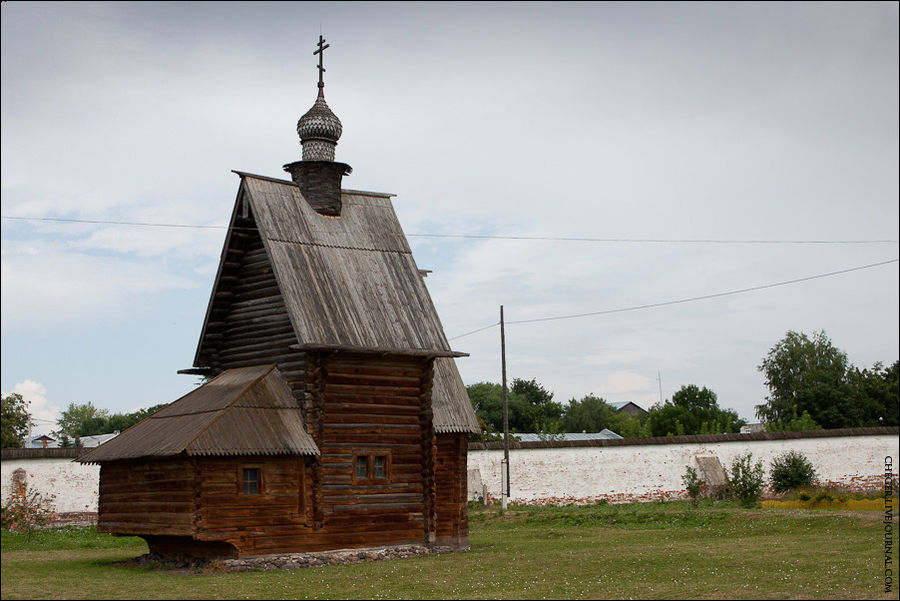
<point>642,127</point>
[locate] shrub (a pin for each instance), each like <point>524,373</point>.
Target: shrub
<point>693,483</point>
<point>25,513</point>
<point>791,470</point>
<point>746,480</point>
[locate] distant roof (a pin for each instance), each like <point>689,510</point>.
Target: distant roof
<point>617,405</point>
<point>243,411</point>
<point>348,282</point>
<point>604,434</point>
<point>96,440</point>
<point>449,400</point>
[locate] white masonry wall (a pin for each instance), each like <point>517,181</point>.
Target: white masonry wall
<point>653,471</point>
<point>67,486</point>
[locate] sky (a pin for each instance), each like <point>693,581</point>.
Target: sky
<point>643,127</point>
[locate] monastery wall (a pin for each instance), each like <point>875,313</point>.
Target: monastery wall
<point>70,490</point>
<point>631,471</point>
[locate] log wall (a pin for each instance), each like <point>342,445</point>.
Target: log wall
<point>274,520</point>
<point>373,406</point>
<point>452,529</point>
<point>154,497</point>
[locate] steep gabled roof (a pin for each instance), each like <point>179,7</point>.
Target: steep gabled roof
<point>348,282</point>
<point>243,411</point>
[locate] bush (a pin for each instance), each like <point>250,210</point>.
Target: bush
<point>693,483</point>
<point>25,513</point>
<point>746,480</point>
<point>791,470</point>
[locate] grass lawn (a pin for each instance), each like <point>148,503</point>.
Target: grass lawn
<point>601,551</point>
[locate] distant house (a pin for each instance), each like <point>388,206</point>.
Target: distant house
<point>604,434</point>
<point>335,416</point>
<point>42,442</point>
<point>753,428</point>
<point>629,408</point>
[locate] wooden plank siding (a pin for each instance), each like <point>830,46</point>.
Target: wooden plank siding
<point>153,497</point>
<point>373,406</point>
<point>451,504</point>
<point>275,520</point>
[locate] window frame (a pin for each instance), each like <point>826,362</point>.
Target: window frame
<point>370,467</point>
<point>241,489</point>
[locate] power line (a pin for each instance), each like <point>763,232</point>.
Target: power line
<point>686,300</point>
<point>481,236</point>
<point>651,240</point>
<point>497,323</point>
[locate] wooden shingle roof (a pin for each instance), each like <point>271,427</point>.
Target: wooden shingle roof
<point>450,403</point>
<point>243,411</point>
<point>349,282</point>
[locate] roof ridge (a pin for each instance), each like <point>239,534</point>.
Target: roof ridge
<point>288,182</point>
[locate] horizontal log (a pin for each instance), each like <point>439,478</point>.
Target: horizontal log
<point>137,529</point>
<point>374,423</point>
<point>338,446</point>
<point>412,380</point>
<point>379,439</point>
<point>412,392</point>
<point>386,408</point>
<point>139,507</point>
<point>172,518</point>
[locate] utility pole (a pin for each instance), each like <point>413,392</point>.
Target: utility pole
<point>504,467</point>
<point>659,377</point>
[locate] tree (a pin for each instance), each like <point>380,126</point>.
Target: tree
<point>593,414</point>
<point>797,424</point>
<point>15,418</point>
<point>808,375</point>
<point>875,394</point>
<point>692,410</point>
<point>530,406</point>
<point>87,420</point>
<point>82,420</point>
<point>590,414</point>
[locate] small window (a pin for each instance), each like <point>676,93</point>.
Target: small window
<point>378,467</point>
<point>362,467</point>
<point>251,480</point>
<point>371,468</point>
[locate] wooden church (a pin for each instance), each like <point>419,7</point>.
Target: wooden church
<point>334,416</point>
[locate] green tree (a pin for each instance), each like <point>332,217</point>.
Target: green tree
<point>82,420</point>
<point>692,410</point>
<point>810,375</point>
<point>15,418</point>
<point>590,414</point>
<point>875,394</point>
<point>530,406</point>
<point>593,414</point>
<point>796,424</point>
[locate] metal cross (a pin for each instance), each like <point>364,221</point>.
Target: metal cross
<point>321,52</point>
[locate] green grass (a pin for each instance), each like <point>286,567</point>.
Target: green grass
<point>646,551</point>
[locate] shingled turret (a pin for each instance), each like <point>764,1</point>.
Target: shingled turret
<point>317,175</point>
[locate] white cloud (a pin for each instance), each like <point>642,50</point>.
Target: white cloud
<point>43,413</point>
<point>48,286</point>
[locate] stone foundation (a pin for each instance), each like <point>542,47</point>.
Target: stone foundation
<point>286,561</point>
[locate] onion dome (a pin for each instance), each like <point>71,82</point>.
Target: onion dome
<point>319,130</point>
